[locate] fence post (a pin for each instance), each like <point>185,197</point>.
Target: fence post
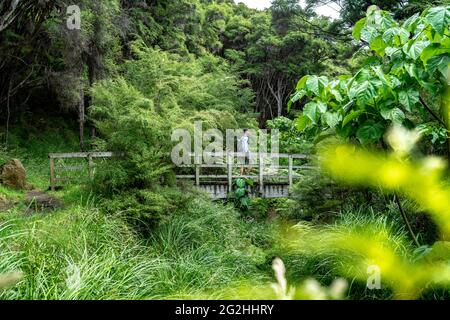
<point>291,166</point>
<point>198,158</point>
<point>90,167</point>
<point>197,175</point>
<point>230,171</point>
<point>261,174</point>
<point>52,174</point>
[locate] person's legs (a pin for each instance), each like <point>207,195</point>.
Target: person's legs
<point>242,162</point>
<point>249,160</point>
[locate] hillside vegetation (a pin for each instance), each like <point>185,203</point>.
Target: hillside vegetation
<point>366,96</point>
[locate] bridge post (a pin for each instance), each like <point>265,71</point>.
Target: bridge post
<point>197,175</point>
<point>230,171</point>
<point>261,175</point>
<point>291,166</point>
<point>197,161</point>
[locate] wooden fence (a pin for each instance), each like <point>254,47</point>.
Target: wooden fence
<point>88,156</point>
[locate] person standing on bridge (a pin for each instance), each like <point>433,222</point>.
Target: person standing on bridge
<point>244,150</point>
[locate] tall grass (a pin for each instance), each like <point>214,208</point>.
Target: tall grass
<point>310,257</point>
<point>79,253</point>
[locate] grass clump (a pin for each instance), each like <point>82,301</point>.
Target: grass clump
<point>80,253</point>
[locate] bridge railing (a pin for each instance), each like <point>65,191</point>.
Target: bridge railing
<point>226,160</point>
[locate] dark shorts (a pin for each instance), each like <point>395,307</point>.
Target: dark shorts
<point>245,160</point>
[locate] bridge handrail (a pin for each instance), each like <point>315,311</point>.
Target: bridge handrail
<point>85,155</point>
<point>252,154</point>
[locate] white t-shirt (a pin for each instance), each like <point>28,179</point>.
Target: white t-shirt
<point>244,144</point>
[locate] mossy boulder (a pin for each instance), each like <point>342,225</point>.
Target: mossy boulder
<point>13,174</point>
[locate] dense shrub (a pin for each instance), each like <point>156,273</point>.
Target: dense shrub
<point>135,115</point>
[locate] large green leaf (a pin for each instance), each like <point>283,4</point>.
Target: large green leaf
<point>302,82</point>
<point>297,96</point>
<point>331,119</point>
<point>396,36</point>
<point>394,114</point>
<point>433,50</point>
<point>411,23</point>
<point>240,183</point>
<point>409,98</point>
<point>369,33</point>
<point>240,192</point>
<point>302,122</point>
<point>358,27</point>
<point>440,63</point>
<point>316,84</point>
<point>414,48</point>
<point>370,132</point>
<point>363,92</point>
<point>387,21</point>
<point>351,116</point>
<point>312,84</point>
<point>313,110</point>
<point>439,252</point>
<point>378,45</point>
<point>439,18</point>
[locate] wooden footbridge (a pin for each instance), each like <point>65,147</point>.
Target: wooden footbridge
<point>272,174</point>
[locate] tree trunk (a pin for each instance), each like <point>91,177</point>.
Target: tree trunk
<point>278,94</point>
<point>9,15</point>
<point>81,118</point>
<point>8,116</point>
<point>279,97</point>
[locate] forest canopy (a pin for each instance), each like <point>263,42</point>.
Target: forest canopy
<point>352,204</point>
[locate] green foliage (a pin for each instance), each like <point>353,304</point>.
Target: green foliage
<point>322,250</point>
<point>353,10</point>
<point>409,273</point>
<point>317,198</point>
<point>136,114</point>
<point>133,129</point>
<point>146,208</point>
<point>199,250</point>
<point>290,140</point>
<point>272,47</point>
<point>241,194</point>
<point>153,66</point>
<point>410,64</point>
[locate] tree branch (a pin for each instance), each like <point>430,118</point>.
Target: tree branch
<point>9,16</point>
<point>406,220</point>
<point>425,105</point>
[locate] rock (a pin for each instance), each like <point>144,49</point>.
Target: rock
<point>40,202</point>
<point>14,175</point>
<point>4,203</point>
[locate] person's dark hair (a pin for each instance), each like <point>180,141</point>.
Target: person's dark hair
<point>245,130</point>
